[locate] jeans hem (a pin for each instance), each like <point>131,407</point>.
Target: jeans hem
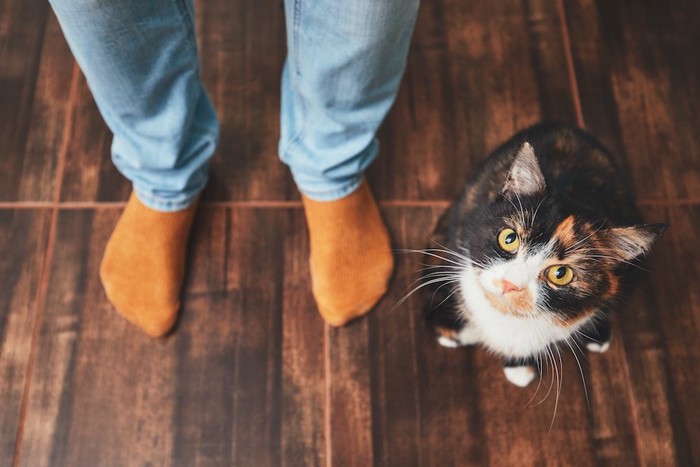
<point>335,194</point>
<point>158,204</point>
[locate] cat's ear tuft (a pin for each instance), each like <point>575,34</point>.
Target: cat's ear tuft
<point>525,177</point>
<point>628,243</point>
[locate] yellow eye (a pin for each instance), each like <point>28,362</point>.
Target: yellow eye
<point>560,275</point>
<point>508,240</point>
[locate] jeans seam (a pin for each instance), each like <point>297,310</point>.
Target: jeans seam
<point>185,13</point>
<point>296,138</point>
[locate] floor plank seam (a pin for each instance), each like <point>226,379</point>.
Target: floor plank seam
<point>46,265</point>
<point>630,397</point>
<point>75,205</point>
<point>327,398</point>
<point>570,64</point>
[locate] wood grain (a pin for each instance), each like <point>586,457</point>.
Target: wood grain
<point>22,30</point>
<point>89,174</point>
<point>23,237</point>
<point>477,72</point>
<point>242,49</point>
<point>240,382</point>
<point>252,376</point>
<point>640,88</point>
<point>425,406</point>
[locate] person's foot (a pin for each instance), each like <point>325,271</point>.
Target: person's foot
<point>351,260</point>
<point>144,264</point>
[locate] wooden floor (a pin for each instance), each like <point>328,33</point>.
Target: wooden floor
<point>252,377</point>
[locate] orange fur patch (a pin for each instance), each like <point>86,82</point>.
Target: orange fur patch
<point>446,332</point>
<point>565,232</point>
<point>514,304</point>
<point>573,321</point>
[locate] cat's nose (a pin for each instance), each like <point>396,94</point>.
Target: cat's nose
<point>509,287</point>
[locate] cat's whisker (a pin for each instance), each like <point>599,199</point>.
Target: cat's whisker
<point>432,281</point>
<point>434,275</point>
<point>613,258</point>
<point>424,252</point>
<point>448,297</point>
<point>534,216</point>
<point>560,378</point>
<point>540,366</point>
<point>446,249</point>
<point>431,252</point>
<point>580,369</point>
<point>550,360</point>
<point>570,327</point>
<point>583,240</point>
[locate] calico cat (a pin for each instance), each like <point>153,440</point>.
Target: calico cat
<point>537,250</point>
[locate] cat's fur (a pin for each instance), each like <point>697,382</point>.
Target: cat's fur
<point>560,190</point>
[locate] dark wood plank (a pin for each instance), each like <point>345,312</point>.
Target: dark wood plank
<point>612,410</point>
<point>23,177</point>
<point>304,437</point>
<point>477,72</point>
<point>239,383</point>
<point>23,237</point>
<point>89,174</point>
<point>51,114</point>
<point>676,273</point>
<point>425,406</point>
<point>97,384</point>
<point>659,333</point>
<point>639,88</point>
<point>242,48</point>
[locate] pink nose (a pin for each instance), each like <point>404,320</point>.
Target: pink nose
<point>509,287</point>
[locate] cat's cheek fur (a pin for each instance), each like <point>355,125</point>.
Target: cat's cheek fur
<point>507,335</point>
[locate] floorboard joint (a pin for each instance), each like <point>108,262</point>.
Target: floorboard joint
<point>570,64</point>
<point>45,268</point>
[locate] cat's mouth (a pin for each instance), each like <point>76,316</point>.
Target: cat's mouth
<point>512,302</point>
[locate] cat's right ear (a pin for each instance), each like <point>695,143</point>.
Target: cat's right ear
<point>628,243</point>
<point>525,177</point>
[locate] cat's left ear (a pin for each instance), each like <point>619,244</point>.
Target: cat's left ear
<point>628,243</point>
<point>525,177</point>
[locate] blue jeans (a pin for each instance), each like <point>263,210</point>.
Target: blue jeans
<point>341,76</point>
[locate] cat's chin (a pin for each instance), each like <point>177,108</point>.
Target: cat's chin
<point>507,334</point>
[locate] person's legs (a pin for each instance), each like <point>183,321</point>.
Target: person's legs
<point>140,61</point>
<point>341,76</point>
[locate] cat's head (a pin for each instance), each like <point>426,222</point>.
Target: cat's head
<point>535,255</point>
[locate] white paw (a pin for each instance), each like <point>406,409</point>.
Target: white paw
<point>447,342</point>
<point>519,375</point>
<point>596,347</point>
<point>468,336</point>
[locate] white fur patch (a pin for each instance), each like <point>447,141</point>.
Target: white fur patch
<point>519,375</point>
<point>467,336</point>
<point>599,348</point>
<point>447,342</point>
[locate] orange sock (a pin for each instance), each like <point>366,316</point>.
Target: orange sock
<point>144,264</point>
<point>351,260</point>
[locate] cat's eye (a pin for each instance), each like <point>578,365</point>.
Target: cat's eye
<point>508,240</point>
<point>560,275</point>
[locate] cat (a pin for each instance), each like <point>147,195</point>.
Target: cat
<point>537,250</point>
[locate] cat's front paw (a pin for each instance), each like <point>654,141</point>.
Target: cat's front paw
<point>520,375</point>
<point>452,338</point>
<point>598,347</point>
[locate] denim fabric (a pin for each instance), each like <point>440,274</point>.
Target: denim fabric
<point>342,74</point>
<point>140,59</point>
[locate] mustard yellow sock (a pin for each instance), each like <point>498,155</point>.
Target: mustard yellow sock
<point>144,264</point>
<point>351,260</point>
